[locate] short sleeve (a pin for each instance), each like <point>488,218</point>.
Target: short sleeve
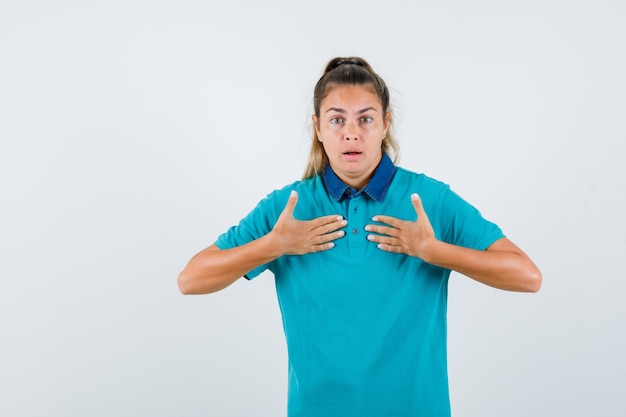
<point>463,225</point>
<point>254,225</point>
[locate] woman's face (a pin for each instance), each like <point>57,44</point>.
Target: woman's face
<point>351,127</point>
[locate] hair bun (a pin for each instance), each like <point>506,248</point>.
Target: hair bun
<point>338,62</point>
<point>347,61</point>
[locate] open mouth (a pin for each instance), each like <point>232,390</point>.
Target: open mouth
<point>352,156</point>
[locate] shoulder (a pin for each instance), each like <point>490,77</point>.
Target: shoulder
<point>305,188</point>
<point>418,176</point>
<point>419,182</point>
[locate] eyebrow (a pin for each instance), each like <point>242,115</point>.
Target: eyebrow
<point>340,110</point>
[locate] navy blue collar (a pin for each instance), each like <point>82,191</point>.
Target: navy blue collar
<point>376,188</point>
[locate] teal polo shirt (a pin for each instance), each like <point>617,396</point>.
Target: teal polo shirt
<point>365,329</point>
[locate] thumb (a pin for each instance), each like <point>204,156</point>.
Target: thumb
<point>291,204</point>
<point>417,205</point>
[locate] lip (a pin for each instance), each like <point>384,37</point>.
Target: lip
<point>352,155</point>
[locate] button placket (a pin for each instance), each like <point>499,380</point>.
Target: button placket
<point>356,239</point>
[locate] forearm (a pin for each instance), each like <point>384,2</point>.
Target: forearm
<point>214,269</point>
<point>503,265</point>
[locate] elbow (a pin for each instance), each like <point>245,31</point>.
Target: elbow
<point>189,284</point>
<point>533,280</point>
<point>182,285</point>
<point>185,284</point>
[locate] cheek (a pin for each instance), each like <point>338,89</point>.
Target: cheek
<point>325,133</point>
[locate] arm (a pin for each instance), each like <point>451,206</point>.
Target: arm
<point>503,265</point>
<point>213,269</point>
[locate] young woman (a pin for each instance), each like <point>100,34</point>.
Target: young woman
<point>361,251</point>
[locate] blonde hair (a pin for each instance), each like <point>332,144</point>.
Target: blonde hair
<point>348,71</point>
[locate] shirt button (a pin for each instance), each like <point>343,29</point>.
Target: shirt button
<point>355,231</point>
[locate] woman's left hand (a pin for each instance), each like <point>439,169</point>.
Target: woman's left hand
<point>411,238</point>
<point>502,265</point>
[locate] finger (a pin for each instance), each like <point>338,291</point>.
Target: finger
<point>336,224</point>
<point>328,237</point>
<point>417,205</point>
<point>390,248</point>
<point>332,221</point>
<point>382,230</point>
<point>392,221</point>
<point>321,236</point>
<point>321,243</point>
<point>322,247</point>
<point>291,204</point>
<point>384,240</point>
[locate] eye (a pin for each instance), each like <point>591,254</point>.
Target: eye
<point>366,119</point>
<point>336,120</point>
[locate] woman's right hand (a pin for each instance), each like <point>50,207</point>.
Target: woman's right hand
<point>213,269</point>
<point>299,237</point>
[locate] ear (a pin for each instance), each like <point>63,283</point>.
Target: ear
<point>387,123</point>
<point>316,126</point>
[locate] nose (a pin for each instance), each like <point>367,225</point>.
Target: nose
<point>351,132</point>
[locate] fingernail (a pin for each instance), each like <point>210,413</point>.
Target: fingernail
<point>331,245</point>
<point>341,233</point>
<point>414,196</point>
<point>344,223</point>
<point>368,228</point>
<point>370,237</point>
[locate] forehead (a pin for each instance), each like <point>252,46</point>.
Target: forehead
<point>351,97</point>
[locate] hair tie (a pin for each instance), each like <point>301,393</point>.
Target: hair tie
<point>345,62</point>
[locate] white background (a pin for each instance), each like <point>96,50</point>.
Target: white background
<point>134,132</point>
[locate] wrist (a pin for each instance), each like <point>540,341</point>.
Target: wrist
<point>432,251</point>
<point>273,245</point>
